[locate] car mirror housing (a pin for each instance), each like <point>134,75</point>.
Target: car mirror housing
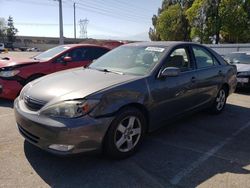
<point>169,72</point>
<point>67,59</point>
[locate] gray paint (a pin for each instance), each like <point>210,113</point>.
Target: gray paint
<point>162,99</point>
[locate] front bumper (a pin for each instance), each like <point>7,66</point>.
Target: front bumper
<point>9,89</point>
<point>85,133</point>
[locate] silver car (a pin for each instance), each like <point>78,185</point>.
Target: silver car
<point>242,62</point>
<point>128,92</point>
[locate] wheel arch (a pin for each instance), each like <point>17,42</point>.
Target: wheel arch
<point>227,87</point>
<point>141,108</point>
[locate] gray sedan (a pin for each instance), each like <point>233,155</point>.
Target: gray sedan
<point>113,103</point>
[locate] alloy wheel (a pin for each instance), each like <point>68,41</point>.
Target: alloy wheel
<point>220,100</point>
<point>128,133</point>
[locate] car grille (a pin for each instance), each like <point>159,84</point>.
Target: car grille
<point>33,104</point>
<point>28,135</point>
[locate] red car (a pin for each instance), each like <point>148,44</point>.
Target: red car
<point>14,74</point>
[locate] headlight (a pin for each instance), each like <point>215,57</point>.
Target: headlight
<point>246,73</point>
<point>8,74</point>
<point>70,109</point>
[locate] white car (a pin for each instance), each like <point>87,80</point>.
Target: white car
<point>242,61</point>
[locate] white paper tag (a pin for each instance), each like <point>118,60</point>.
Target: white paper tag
<point>155,49</point>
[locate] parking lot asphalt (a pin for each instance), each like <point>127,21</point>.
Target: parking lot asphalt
<point>201,150</point>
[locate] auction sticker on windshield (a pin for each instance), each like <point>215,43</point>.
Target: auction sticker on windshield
<point>155,49</point>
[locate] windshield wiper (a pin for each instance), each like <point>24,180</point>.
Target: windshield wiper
<point>116,72</point>
<point>106,70</point>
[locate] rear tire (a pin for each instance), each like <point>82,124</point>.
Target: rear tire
<point>220,101</point>
<point>125,133</point>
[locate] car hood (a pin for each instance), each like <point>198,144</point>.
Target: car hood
<point>243,67</point>
<point>10,62</point>
<point>73,84</point>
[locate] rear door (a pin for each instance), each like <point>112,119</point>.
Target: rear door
<point>209,74</point>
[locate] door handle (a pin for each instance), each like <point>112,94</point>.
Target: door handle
<point>193,79</point>
<point>220,73</point>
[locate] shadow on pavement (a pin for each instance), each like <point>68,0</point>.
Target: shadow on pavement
<point>6,103</point>
<point>185,154</point>
<point>243,91</point>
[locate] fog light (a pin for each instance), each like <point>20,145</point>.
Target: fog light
<point>61,147</point>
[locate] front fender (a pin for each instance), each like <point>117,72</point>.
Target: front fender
<point>115,98</point>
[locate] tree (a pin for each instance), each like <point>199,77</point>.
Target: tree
<point>235,27</point>
<point>167,5</point>
<point>2,30</point>
<point>170,24</point>
<point>197,16</point>
<point>11,31</point>
<point>206,20</point>
<point>153,34</point>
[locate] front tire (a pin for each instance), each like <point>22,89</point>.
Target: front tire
<point>125,134</point>
<point>220,101</point>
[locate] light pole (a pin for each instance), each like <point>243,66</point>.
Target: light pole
<point>75,20</point>
<point>61,40</point>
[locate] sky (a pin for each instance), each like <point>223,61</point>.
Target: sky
<point>107,19</point>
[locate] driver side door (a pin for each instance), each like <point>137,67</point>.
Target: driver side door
<point>174,95</point>
<point>79,57</point>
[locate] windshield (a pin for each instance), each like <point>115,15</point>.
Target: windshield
<point>134,60</point>
<point>237,58</point>
<point>51,53</point>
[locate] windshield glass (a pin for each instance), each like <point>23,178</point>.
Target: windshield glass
<point>136,60</point>
<point>51,53</point>
<point>236,58</point>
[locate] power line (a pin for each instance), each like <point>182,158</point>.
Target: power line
<point>120,17</point>
<point>114,8</point>
<point>118,5</point>
<point>110,12</point>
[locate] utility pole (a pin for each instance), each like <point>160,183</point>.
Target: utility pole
<point>61,40</point>
<point>75,20</point>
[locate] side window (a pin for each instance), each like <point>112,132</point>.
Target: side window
<point>98,52</point>
<point>77,54</point>
<point>179,58</point>
<point>203,58</point>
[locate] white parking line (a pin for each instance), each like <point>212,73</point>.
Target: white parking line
<point>177,178</point>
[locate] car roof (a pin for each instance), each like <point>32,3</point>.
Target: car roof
<point>159,43</point>
<point>83,45</point>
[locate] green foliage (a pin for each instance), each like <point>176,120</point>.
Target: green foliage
<point>2,29</point>
<point>170,24</point>
<point>235,27</point>
<point>206,20</point>
<point>11,31</point>
<point>7,31</point>
<point>196,16</point>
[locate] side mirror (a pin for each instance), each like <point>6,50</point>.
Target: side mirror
<point>67,59</point>
<point>169,72</point>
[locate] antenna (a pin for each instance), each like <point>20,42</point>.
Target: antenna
<point>83,28</point>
